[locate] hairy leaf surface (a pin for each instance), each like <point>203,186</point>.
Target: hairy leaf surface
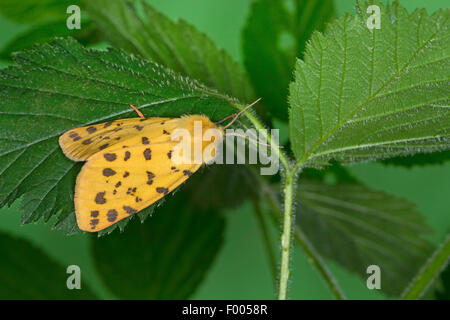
<point>358,227</point>
<point>61,85</point>
<point>365,94</point>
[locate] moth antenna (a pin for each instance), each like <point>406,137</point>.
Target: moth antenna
<point>138,112</point>
<point>224,119</point>
<point>250,139</point>
<point>240,112</point>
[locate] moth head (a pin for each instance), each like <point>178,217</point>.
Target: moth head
<point>200,139</point>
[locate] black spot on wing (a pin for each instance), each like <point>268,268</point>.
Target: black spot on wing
<point>188,173</point>
<point>145,140</point>
<point>150,177</point>
<point>147,154</point>
<point>75,136</point>
<point>108,172</point>
<point>127,155</point>
<point>93,223</point>
<point>110,156</point>
<point>100,198</point>
<point>87,141</point>
<point>112,215</point>
<point>91,129</point>
<point>138,127</point>
<point>126,174</point>
<point>131,191</point>
<point>162,190</point>
<point>94,213</point>
<point>104,146</point>
<point>129,210</point>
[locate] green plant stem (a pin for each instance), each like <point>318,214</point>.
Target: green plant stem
<point>429,272</point>
<point>302,240</point>
<point>288,191</point>
<point>288,200</point>
<point>290,173</point>
<point>266,238</point>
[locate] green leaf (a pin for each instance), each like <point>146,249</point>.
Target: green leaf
<point>227,186</point>
<point>165,258</point>
<point>430,271</point>
<point>61,85</point>
<point>136,27</point>
<point>41,279</point>
<point>45,32</point>
<point>332,174</point>
<point>36,11</point>
<point>357,227</point>
<point>275,34</point>
<point>365,94</point>
<point>443,293</point>
<point>419,159</point>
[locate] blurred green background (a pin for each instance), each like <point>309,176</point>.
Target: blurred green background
<point>241,270</point>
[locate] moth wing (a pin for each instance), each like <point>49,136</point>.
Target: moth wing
<point>81,143</point>
<point>123,180</point>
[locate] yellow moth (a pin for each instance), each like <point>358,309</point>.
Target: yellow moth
<point>129,164</point>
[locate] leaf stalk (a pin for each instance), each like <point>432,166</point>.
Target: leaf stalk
<point>290,173</point>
